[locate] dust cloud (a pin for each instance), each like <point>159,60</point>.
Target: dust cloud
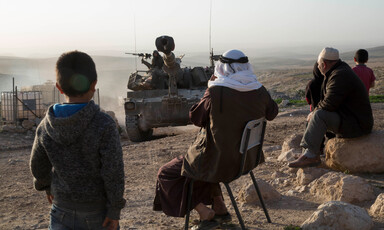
<point>113,73</point>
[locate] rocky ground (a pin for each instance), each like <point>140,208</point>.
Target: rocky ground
<point>21,207</point>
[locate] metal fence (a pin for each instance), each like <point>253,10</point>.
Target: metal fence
<point>27,105</point>
<point>18,106</point>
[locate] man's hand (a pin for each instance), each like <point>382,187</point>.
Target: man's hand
<point>309,117</point>
<point>50,198</point>
<point>111,224</point>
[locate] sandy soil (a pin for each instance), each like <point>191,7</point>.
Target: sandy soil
<point>21,207</point>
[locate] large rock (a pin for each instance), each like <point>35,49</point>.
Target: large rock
<point>358,155</point>
<point>249,195</point>
<point>341,187</point>
<point>335,215</point>
<point>307,175</point>
<point>377,209</point>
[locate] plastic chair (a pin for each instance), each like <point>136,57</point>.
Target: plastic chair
<point>253,135</point>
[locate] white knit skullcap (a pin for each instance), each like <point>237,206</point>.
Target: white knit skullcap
<point>329,53</point>
<point>234,54</point>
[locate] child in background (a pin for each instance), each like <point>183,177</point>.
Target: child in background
<point>365,73</point>
<point>76,156</point>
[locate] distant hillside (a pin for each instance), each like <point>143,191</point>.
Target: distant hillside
<point>375,52</point>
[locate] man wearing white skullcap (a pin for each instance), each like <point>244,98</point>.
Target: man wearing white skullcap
<point>234,97</point>
<point>344,108</point>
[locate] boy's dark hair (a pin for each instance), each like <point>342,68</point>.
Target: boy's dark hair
<point>361,56</point>
<point>75,72</point>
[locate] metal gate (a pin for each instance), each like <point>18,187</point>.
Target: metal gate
<point>20,106</point>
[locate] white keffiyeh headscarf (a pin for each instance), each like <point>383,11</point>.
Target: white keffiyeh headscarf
<point>237,76</point>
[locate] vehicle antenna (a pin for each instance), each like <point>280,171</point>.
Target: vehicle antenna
<point>211,56</point>
<point>210,30</point>
<point>134,34</point>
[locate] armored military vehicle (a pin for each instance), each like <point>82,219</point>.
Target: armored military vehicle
<point>163,97</point>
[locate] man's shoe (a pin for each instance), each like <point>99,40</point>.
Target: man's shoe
<point>304,162</point>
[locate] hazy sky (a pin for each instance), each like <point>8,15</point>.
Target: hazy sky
<point>50,27</point>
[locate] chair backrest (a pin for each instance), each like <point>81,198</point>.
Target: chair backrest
<point>253,135</point>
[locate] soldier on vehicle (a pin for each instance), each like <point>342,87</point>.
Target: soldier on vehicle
<point>157,61</point>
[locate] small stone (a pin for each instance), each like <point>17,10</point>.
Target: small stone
<point>28,124</point>
<point>292,142</point>
<point>307,175</point>
<point>248,193</point>
<point>291,192</point>
<point>377,208</point>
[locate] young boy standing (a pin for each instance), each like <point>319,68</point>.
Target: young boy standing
<point>365,73</point>
<point>76,156</point>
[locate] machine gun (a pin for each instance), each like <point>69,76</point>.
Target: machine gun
<point>142,55</point>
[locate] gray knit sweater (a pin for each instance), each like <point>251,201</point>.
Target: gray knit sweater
<point>79,160</point>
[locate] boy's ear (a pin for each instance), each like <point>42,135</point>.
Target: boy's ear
<point>93,86</point>
<point>354,59</point>
<point>59,88</point>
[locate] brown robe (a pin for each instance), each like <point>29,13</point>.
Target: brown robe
<point>172,189</point>
<point>222,113</point>
<point>214,156</point>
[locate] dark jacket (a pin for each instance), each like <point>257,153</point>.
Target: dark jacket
<point>343,92</point>
<point>313,89</point>
<point>79,160</point>
<point>223,114</point>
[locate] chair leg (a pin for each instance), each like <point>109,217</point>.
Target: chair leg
<point>260,197</point>
<point>189,201</point>
<point>235,206</point>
